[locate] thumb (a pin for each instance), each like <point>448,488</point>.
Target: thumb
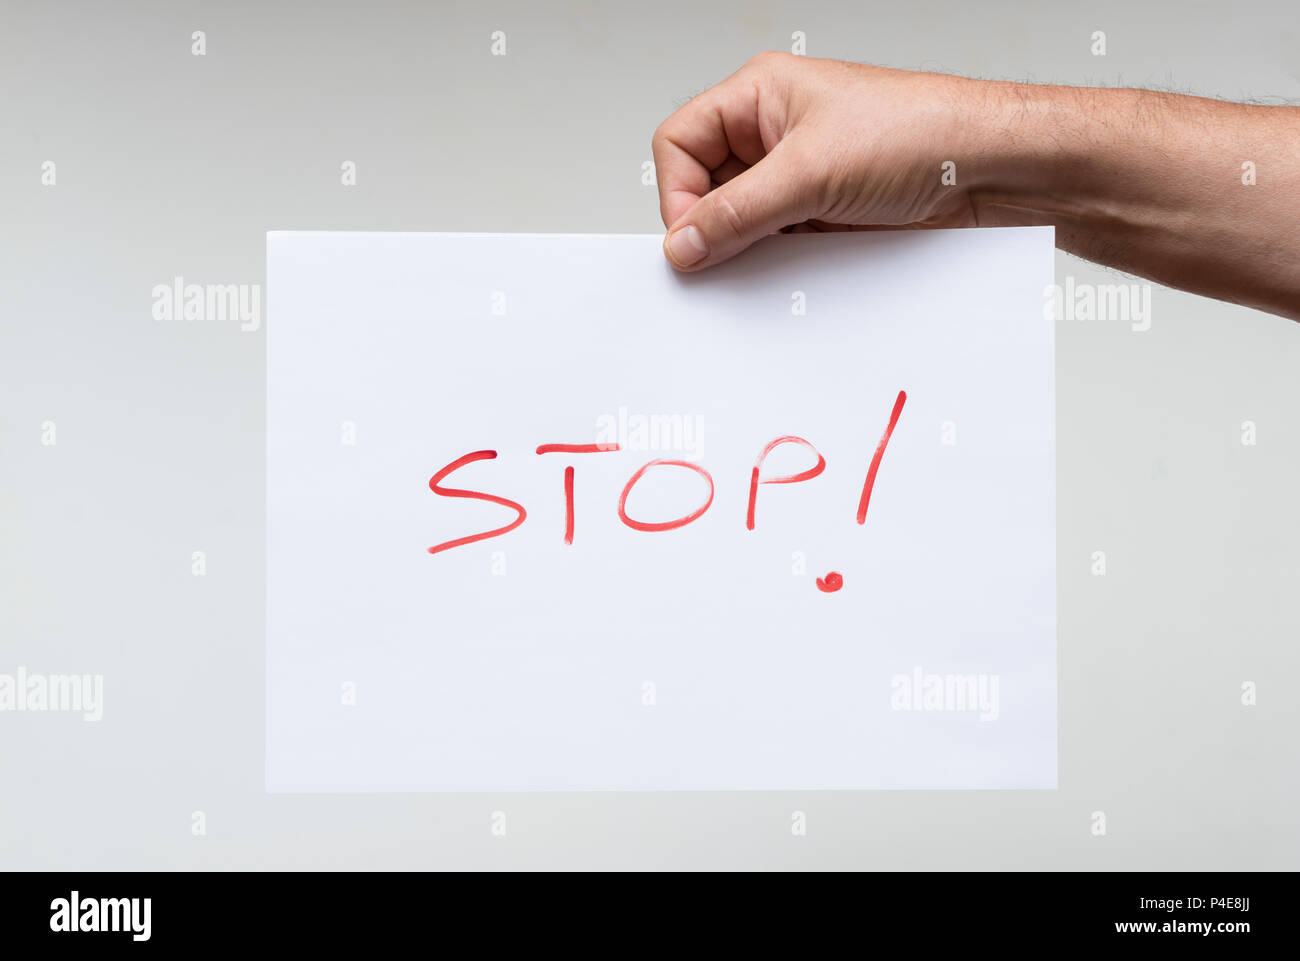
<point>729,218</point>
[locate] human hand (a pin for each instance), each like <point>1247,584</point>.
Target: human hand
<point>1143,181</point>
<point>802,144</point>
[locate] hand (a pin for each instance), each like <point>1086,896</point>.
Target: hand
<point>1160,185</point>
<point>799,144</point>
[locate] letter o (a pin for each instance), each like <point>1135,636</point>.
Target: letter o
<point>664,525</point>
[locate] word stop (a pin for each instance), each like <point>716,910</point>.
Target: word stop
<point>831,582</point>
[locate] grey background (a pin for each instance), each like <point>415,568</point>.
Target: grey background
<point>174,164</point>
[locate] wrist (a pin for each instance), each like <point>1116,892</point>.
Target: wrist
<point>1035,152</point>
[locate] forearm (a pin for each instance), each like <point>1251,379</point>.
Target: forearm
<point>1149,183</point>
<point>1193,193</point>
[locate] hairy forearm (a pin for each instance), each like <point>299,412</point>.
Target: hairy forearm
<point>1198,194</point>
<point>1148,182</point>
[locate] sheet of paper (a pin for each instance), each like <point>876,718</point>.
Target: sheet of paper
<point>677,626</point>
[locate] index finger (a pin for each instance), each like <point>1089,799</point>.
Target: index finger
<point>701,136</point>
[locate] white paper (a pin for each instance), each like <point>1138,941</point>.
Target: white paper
<point>704,657</point>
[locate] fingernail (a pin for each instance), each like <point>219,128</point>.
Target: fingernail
<point>686,246</point>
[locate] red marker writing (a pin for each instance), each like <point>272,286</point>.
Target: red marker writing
<point>754,480</point>
<point>454,466</point>
<point>880,453</point>
<point>665,525</point>
<point>568,475</point>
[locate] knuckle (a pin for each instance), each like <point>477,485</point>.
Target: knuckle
<point>769,58</point>
<point>660,136</point>
<point>728,217</point>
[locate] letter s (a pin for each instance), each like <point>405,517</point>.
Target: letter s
<point>476,495</point>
